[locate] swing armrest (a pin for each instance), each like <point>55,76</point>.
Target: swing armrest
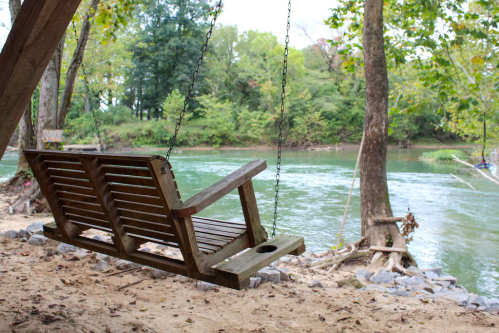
<point>218,190</point>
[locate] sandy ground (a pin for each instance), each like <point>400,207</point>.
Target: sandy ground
<point>43,291</point>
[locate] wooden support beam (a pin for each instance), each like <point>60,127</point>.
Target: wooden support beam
<point>387,249</point>
<point>387,219</point>
<point>125,244</point>
<point>256,232</point>
<point>30,45</point>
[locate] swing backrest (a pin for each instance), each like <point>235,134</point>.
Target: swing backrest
<point>91,190</point>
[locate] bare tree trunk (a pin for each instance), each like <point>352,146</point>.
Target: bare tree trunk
<point>49,95</point>
<point>75,65</point>
<point>15,7</point>
<point>86,102</point>
<point>373,184</point>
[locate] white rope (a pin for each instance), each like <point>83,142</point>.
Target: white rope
<point>351,189</point>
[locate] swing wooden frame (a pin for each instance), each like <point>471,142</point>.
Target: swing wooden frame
<point>131,198</point>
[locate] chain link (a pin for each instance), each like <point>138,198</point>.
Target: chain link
<point>281,121</point>
<point>87,89</point>
<point>173,139</point>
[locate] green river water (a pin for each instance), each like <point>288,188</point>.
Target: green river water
<point>458,227</point>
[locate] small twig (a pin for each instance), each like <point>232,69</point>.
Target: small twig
<point>129,284</point>
<point>463,181</point>
<point>151,329</point>
<point>123,271</point>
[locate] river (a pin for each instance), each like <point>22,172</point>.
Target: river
<point>458,227</point>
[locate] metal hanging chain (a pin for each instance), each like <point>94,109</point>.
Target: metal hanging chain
<point>87,89</point>
<point>173,139</point>
<point>281,121</point>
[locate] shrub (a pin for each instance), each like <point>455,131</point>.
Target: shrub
<point>443,155</point>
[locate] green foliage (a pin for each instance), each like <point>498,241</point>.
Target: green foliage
<point>444,155</point>
<point>172,105</point>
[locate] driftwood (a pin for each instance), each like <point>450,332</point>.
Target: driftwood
<point>350,252</point>
<point>463,181</point>
<point>129,285</point>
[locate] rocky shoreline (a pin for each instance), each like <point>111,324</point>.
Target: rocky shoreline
<point>424,284</point>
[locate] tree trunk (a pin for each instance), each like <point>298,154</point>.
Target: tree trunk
<point>15,7</point>
<point>373,184</point>
<point>49,95</point>
<point>75,65</point>
<point>86,102</point>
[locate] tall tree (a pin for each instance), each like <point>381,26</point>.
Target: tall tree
<point>374,197</point>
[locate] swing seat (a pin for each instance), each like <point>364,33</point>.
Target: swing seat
<point>135,199</point>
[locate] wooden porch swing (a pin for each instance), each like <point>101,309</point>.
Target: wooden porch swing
<point>130,197</point>
<point>135,198</point>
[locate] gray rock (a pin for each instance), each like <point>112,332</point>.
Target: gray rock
<point>308,260</point>
<point>477,301</point>
<point>205,286</point>
<point>316,284</point>
<point>444,284</point>
<point>38,240</point>
<point>125,264</point>
<point>377,288</point>
<point>284,273</point>
<point>409,281</point>
<point>155,273</point>
<point>285,259</point>
<point>255,282</point>
<point>308,254</point>
<point>100,238</point>
<point>1,233</point>
<point>22,234</point>
<point>268,274</point>
<point>11,234</point>
<point>396,275</point>
<point>64,248</point>
<point>104,257</point>
<point>492,305</point>
<point>451,279</point>
<point>401,293</point>
<point>383,277</point>
<point>362,273</point>
<point>100,266</point>
<point>36,228</point>
<point>458,298</point>
<point>431,275</point>
<point>80,253</point>
<point>420,286</point>
<point>415,270</point>
<point>436,270</point>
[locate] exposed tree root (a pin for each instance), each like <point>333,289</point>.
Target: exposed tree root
<point>350,252</point>
<point>31,201</point>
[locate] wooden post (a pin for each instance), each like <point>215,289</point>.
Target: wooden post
<point>256,232</point>
<point>30,45</point>
<point>124,243</point>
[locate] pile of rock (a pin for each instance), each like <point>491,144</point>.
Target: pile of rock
<point>33,233</point>
<point>426,283</point>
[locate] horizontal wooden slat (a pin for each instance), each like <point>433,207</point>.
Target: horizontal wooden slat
<point>216,191</point>
<point>130,180</point>
<point>137,198</point>
<point>76,155</point>
<point>150,234</point>
<point>213,242</point>
<point>231,225</point>
<point>71,181</point>
<point>140,207</point>
<point>63,165</point>
<point>77,197</point>
<point>141,172</point>
<point>147,225</point>
<point>56,158</point>
<point>123,162</point>
<point>143,216</point>
<point>82,205</point>
<point>75,189</point>
<point>68,173</point>
<point>87,220</point>
<point>216,228</point>
<point>134,190</point>
<point>83,212</point>
<point>216,232</point>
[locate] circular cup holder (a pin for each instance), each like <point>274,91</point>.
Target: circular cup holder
<point>266,249</point>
